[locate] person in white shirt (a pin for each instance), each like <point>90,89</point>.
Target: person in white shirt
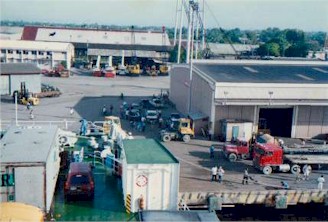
<point>214,171</point>
<point>320,180</point>
<point>220,174</point>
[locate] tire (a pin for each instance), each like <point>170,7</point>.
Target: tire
<point>232,157</point>
<point>186,138</point>
<point>295,169</point>
<point>267,170</point>
<point>166,138</point>
<point>244,156</point>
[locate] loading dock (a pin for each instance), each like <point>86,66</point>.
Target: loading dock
<point>278,121</point>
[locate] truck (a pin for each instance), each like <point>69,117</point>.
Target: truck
<point>271,157</point>
<point>184,131</point>
<point>237,149</point>
<point>30,164</point>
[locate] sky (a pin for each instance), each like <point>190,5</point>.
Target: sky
<point>307,15</point>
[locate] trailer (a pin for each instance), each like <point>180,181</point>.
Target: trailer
<point>30,165</point>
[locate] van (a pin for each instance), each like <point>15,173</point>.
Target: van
<point>79,181</point>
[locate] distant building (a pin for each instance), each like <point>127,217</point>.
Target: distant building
<point>94,42</point>
<point>12,74</point>
<point>44,54</point>
<point>219,50</point>
<point>289,98</point>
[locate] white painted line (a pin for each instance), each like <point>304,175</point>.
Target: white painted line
<point>304,77</point>
<point>320,70</point>
<point>250,69</point>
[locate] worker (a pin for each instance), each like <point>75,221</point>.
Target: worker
<point>245,177</point>
<point>214,171</point>
<point>160,122</point>
<point>28,105</point>
<point>71,111</point>
<point>298,174</point>
<point>111,109</point>
<point>220,174</point>
<point>210,133</point>
<point>307,170</point>
<point>104,110</point>
<point>285,185</point>
<point>31,114</point>
<point>211,152</point>
<point>320,181</point>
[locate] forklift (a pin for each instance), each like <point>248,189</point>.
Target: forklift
<point>24,96</point>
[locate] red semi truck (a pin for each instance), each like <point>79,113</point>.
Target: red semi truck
<point>269,157</point>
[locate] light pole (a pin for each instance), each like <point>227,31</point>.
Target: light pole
<point>16,115</point>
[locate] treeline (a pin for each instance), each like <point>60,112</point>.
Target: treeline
<point>271,41</point>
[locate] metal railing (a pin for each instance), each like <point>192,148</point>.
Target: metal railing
<point>64,124</point>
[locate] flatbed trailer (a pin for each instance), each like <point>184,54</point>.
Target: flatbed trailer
<point>316,161</point>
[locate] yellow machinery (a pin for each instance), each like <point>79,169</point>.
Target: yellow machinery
<point>163,69</point>
<point>184,131</point>
<point>109,120</point>
<point>134,70</point>
<point>24,96</point>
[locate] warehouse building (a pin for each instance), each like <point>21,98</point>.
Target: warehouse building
<point>13,74</point>
<point>92,43</point>
<point>285,98</point>
<point>44,54</point>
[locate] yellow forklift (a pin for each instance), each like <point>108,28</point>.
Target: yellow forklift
<point>24,96</point>
<point>184,131</point>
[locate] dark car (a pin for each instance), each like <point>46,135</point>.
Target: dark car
<point>79,181</point>
<point>175,117</point>
<point>145,103</point>
<point>134,115</point>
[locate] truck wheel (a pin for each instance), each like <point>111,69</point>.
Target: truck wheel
<point>232,157</point>
<point>295,169</point>
<point>267,170</point>
<point>166,138</point>
<point>186,138</point>
<point>244,156</point>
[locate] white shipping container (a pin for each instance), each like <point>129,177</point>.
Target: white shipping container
<point>30,165</point>
<point>236,128</point>
<point>150,172</point>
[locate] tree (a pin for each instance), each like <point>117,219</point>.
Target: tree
<point>174,54</point>
<point>269,49</point>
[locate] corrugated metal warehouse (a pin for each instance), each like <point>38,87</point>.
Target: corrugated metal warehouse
<point>94,42</point>
<point>44,54</point>
<point>12,74</point>
<point>288,98</point>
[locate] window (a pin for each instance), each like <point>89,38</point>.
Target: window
<point>41,53</point>
<point>25,52</point>
<point>3,51</point>
<point>18,52</point>
<point>33,52</point>
<point>10,51</point>
<point>49,53</point>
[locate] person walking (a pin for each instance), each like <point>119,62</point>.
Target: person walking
<point>320,181</point>
<point>104,110</point>
<point>211,152</point>
<point>245,177</point>
<point>210,133</point>
<point>111,109</point>
<point>71,111</point>
<point>28,105</point>
<point>298,174</point>
<point>220,174</point>
<point>307,170</point>
<point>160,122</point>
<point>31,114</point>
<point>214,171</point>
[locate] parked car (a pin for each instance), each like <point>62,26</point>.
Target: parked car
<point>157,103</point>
<point>136,106</point>
<point>145,103</point>
<point>134,115</point>
<point>151,115</point>
<point>79,181</point>
<point>175,117</point>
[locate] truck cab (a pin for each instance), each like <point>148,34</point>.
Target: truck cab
<point>268,157</point>
<point>238,149</point>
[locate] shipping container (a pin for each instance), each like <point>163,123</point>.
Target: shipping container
<point>232,129</point>
<point>150,176</point>
<point>30,165</point>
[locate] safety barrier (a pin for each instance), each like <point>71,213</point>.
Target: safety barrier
<point>128,203</point>
<point>64,124</point>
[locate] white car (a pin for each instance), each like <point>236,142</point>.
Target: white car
<point>151,115</point>
<point>157,103</point>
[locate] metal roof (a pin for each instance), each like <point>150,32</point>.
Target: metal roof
<point>147,151</point>
<point>252,72</point>
<point>19,69</point>
<point>159,215</point>
<point>226,49</point>
<point>98,36</point>
<point>36,45</point>
<point>27,144</point>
